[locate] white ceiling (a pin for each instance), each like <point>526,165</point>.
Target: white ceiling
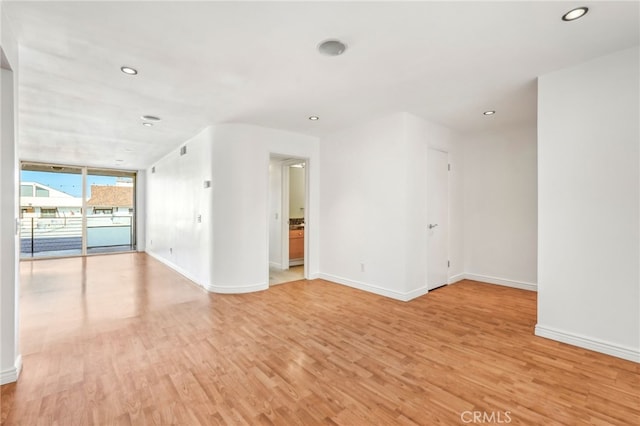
<point>202,63</point>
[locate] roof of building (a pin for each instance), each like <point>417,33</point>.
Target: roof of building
<point>111,196</point>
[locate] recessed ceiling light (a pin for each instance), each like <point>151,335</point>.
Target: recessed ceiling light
<point>147,124</point>
<point>574,14</point>
<point>489,112</point>
<point>129,70</point>
<point>332,47</point>
<point>150,118</point>
<point>314,118</point>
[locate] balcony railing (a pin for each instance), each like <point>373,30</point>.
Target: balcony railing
<point>42,235</point>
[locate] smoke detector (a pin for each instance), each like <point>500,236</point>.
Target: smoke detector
<point>332,47</point>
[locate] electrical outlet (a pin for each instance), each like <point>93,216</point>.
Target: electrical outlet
<point>361,266</point>
<point>170,250</point>
<point>199,218</point>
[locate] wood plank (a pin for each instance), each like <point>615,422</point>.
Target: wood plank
<point>122,339</point>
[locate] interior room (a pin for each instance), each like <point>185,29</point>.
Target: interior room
<point>287,193</point>
<point>320,212</point>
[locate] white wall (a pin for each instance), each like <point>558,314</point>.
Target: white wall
<point>176,196</point>
<point>373,196</point>
<point>10,360</point>
<point>588,276</point>
<point>500,206</point>
<point>241,203</point>
<point>228,251</point>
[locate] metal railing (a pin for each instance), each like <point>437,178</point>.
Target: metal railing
<point>59,234</point>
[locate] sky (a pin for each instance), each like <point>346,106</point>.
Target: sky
<point>68,183</point>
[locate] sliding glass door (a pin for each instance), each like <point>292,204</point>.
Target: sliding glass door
<point>110,211</point>
<point>71,211</point>
<point>50,210</point>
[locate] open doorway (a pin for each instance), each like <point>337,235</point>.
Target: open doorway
<point>288,189</point>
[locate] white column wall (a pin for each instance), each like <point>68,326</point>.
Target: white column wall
<point>241,156</point>
<point>10,360</point>
<point>589,205</point>
<point>228,251</point>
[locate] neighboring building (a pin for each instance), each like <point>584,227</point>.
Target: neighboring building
<point>111,200</point>
<point>38,200</point>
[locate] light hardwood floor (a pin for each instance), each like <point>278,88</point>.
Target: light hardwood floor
<point>122,339</point>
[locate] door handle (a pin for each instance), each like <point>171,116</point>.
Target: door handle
<point>431,226</point>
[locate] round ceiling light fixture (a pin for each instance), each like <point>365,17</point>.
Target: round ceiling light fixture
<point>150,118</point>
<point>574,14</point>
<point>332,47</point>
<point>129,70</point>
<point>147,124</point>
<point>314,118</point>
<point>489,112</point>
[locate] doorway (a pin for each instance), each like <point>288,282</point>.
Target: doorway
<point>438,218</point>
<point>288,242</point>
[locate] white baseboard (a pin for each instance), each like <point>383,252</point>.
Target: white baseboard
<point>275,265</point>
<point>455,278</point>
<point>501,281</point>
<point>423,290</point>
<point>296,262</point>
<point>11,375</point>
<point>313,276</point>
<point>415,293</point>
<point>226,289</point>
<point>372,288</point>
<point>178,269</point>
<point>236,289</point>
<point>590,343</point>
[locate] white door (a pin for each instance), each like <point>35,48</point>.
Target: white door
<point>438,215</point>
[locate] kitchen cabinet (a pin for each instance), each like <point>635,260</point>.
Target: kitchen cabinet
<point>296,244</point>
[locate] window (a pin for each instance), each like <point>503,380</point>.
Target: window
<point>26,190</point>
<point>41,192</point>
<point>102,211</point>
<point>55,222</point>
<point>48,212</point>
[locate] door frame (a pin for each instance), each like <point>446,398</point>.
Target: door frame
<point>286,161</point>
<point>284,216</point>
